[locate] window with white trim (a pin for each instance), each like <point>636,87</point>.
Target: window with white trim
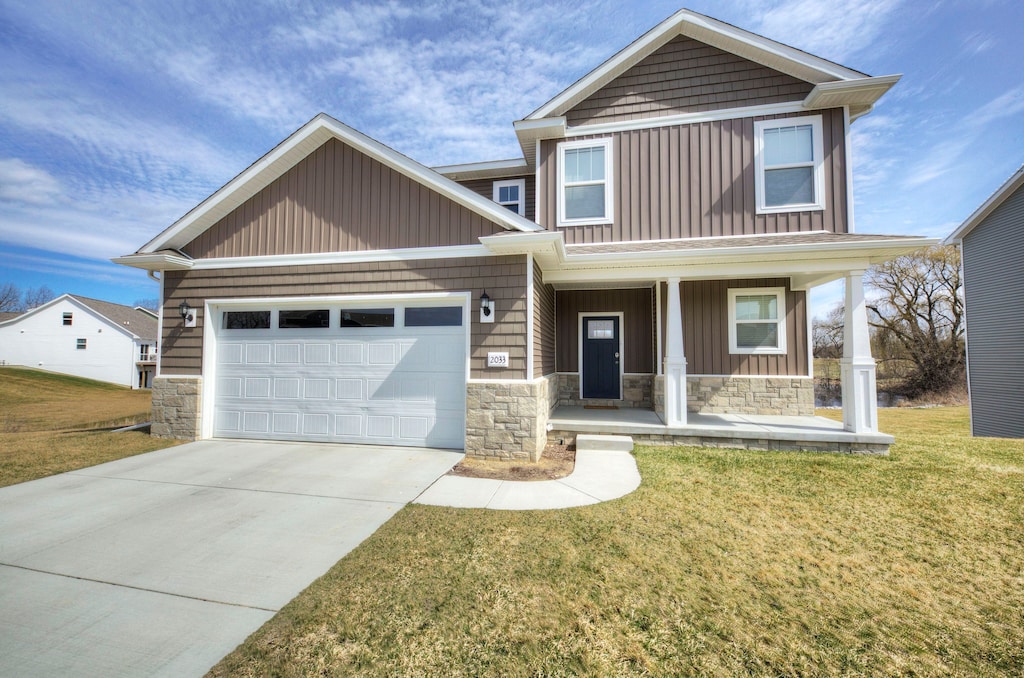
<point>584,182</point>
<point>80,344</point>
<point>66,319</point>
<point>789,162</point>
<point>757,320</point>
<point>511,193</point>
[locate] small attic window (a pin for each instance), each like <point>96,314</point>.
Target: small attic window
<point>67,318</point>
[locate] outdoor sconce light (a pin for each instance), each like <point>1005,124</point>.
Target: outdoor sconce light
<point>187,314</point>
<point>486,308</point>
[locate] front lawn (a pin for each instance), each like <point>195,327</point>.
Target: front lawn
<point>53,423</point>
<point>722,563</point>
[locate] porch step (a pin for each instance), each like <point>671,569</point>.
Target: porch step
<point>589,442</point>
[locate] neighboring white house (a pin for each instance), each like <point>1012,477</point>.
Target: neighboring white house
<point>86,338</point>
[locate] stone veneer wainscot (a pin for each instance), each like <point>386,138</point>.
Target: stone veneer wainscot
<point>785,396</point>
<point>508,420</point>
<point>177,407</point>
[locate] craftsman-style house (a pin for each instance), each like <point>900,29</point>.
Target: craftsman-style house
<point>652,251</point>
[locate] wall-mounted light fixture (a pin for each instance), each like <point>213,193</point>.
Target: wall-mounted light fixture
<point>486,308</point>
<point>187,314</point>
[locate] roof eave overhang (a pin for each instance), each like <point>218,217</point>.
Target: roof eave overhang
<point>806,264</point>
<point>156,261</point>
<point>987,207</point>
<point>859,95</point>
<point>495,169</point>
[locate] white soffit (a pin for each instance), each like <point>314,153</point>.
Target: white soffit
<point>296,147</point>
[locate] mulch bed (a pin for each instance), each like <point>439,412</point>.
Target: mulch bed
<point>557,461</point>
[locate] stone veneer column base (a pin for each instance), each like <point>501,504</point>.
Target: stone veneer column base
<point>508,421</point>
<point>177,407</point>
<point>785,396</point>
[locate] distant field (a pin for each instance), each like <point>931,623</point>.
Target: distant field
<point>52,423</point>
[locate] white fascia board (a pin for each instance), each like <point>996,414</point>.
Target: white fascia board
<point>711,31</point>
<point>863,92</point>
<point>485,170</point>
<point>155,262</point>
<point>987,207</point>
<point>365,256</point>
<point>296,147</point>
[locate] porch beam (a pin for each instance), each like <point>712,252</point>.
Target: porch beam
<point>675,360</point>
<point>860,398</point>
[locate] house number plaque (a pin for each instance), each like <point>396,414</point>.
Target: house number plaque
<point>496,359</point>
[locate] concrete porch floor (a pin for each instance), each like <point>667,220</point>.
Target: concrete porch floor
<point>761,432</point>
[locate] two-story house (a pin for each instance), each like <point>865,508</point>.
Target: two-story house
<point>652,251</point>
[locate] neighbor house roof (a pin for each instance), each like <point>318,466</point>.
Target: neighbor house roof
<point>284,156</point>
<point>8,315</point>
<point>138,322</point>
<point>987,207</point>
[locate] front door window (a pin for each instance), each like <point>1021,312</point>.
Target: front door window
<point>601,376</point>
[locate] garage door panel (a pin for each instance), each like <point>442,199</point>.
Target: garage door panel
<point>378,385</point>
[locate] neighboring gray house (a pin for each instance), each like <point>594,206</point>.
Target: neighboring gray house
<point>651,251</point>
<point>992,246</point>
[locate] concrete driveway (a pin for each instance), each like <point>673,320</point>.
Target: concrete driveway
<point>160,564</point>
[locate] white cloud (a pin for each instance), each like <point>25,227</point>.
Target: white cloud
<point>21,182</point>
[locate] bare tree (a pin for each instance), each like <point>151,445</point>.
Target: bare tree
<point>10,297</point>
<point>151,304</point>
<point>36,296</point>
<point>827,334</point>
<point>918,307</point>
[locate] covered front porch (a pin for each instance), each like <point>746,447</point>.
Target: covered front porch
<point>746,431</point>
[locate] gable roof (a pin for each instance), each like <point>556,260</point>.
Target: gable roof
<point>137,322</point>
<point>994,201</point>
<point>284,156</point>
<point>8,315</point>
<point>834,85</point>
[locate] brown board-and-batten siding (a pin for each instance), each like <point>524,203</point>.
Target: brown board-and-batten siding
<point>504,278</point>
<point>338,199</point>
<point>705,314</point>
<point>696,181</point>
<point>686,76</point>
<point>485,187</point>
<point>637,307</point>
<point>993,262</point>
<point>543,325</point>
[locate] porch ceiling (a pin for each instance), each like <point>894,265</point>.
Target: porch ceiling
<point>808,259</point>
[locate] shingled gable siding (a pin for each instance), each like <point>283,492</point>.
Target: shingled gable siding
<point>543,325</point>
<point>687,76</point>
<point>504,278</point>
<point>485,187</point>
<point>637,306</point>
<point>705,314</point>
<point>339,200</point>
<point>693,181</point>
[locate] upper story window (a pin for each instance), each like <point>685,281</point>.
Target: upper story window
<point>80,344</point>
<point>67,318</point>
<point>511,194</point>
<point>757,320</point>
<point>790,168</point>
<point>584,182</point>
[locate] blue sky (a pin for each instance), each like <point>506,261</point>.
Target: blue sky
<point>117,118</point>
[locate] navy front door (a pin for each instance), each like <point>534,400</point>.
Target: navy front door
<point>601,357</point>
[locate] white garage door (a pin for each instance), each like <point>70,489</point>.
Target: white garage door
<point>392,375</point>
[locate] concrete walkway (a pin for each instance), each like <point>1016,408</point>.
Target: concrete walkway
<point>598,476</point>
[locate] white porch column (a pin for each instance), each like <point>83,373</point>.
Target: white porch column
<point>675,360</point>
<point>860,399</point>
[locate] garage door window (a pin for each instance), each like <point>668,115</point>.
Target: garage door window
<point>368,317</point>
<point>247,320</point>
<point>303,319</point>
<point>434,316</point>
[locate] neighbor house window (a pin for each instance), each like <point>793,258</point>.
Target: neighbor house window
<point>511,194</point>
<point>80,344</point>
<point>790,168</point>
<point>584,182</point>
<point>67,318</point>
<point>757,320</point>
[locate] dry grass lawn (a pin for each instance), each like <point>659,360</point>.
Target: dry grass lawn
<point>53,423</point>
<point>722,563</point>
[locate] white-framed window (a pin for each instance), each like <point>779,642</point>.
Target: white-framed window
<point>585,182</point>
<point>80,344</point>
<point>511,193</point>
<point>757,320</point>
<point>789,165</point>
